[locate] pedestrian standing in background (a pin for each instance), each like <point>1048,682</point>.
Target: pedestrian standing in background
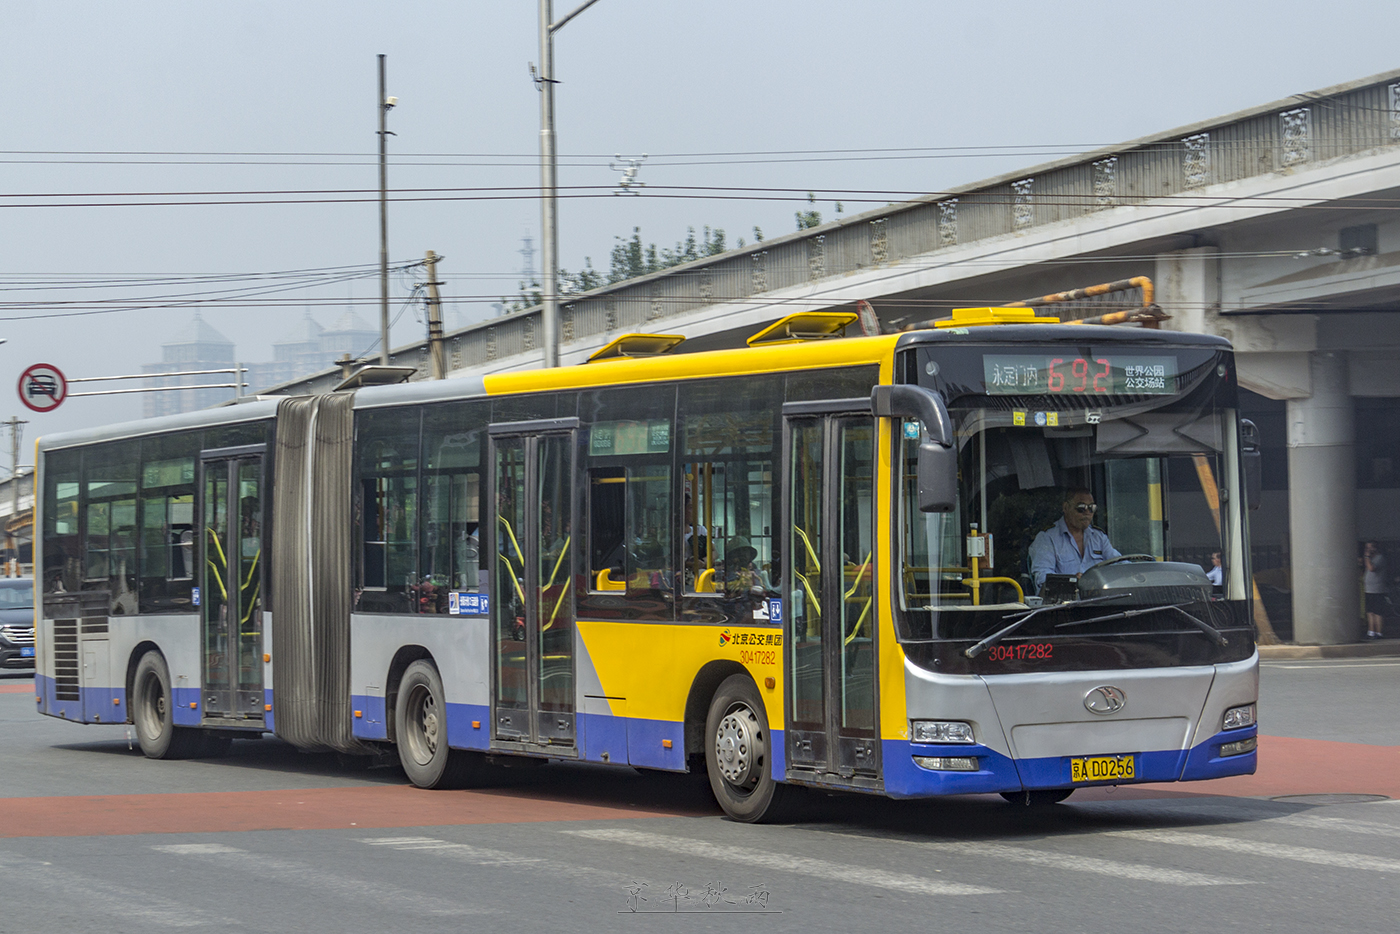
<point>1216,574</point>
<point>1374,563</point>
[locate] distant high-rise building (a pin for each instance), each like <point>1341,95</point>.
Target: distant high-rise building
<point>197,347</point>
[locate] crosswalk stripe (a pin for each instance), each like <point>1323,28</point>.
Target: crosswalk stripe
<point>1318,822</point>
<point>482,856</point>
<point>476,854</point>
<point>1073,862</point>
<point>103,900</point>
<point>784,862</point>
<point>1302,854</point>
<point>291,872</point>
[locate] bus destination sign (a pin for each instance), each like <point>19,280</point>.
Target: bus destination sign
<point>1046,374</point>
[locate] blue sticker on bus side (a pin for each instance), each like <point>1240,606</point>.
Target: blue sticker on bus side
<point>911,431</point>
<point>485,605</point>
<point>194,595</point>
<point>452,609</point>
<point>775,610</point>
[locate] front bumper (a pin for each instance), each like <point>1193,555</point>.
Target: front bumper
<point>999,773</point>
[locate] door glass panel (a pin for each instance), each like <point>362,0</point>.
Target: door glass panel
<point>215,587</point>
<point>805,586</point>
<point>857,649</point>
<point>512,671</point>
<point>249,577</point>
<point>555,561</point>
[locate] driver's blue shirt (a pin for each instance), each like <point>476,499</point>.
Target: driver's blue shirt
<point>1054,552</point>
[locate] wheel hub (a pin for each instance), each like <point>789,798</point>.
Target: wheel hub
<point>738,748</point>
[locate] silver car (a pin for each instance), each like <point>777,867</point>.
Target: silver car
<point>16,622</point>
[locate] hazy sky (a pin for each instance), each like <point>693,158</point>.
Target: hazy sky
<point>89,84</point>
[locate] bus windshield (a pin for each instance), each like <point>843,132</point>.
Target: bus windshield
<point>1098,505</point>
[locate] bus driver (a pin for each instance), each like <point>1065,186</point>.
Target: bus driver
<point>1072,545</point>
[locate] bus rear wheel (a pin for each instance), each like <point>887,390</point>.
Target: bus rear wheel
<point>738,754</point>
<point>420,728</point>
<point>153,713</point>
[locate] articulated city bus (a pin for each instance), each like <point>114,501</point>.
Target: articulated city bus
<point>973,559</point>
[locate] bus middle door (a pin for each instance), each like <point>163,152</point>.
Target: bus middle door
<point>231,576</point>
<point>533,582</point>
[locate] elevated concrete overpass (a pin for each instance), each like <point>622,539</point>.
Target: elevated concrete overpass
<point>1277,227</point>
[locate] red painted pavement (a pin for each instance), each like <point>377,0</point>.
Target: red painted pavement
<point>307,809</point>
<point>1286,767</point>
<point>24,687</point>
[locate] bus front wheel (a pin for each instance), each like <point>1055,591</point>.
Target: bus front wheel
<point>738,751</point>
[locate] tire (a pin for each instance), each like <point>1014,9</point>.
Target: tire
<point>153,713</point>
<point>737,754</point>
<point>420,726</point>
<point>1040,798</point>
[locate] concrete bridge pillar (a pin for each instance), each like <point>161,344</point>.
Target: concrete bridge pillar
<point>1322,506</point>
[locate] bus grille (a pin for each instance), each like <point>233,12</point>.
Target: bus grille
<point>65,659</point>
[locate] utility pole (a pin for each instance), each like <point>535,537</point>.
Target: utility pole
<point>549,172</point>
<point>12,566</point>
<point>384,105</point>
<point>15,433</point>
<point>437,352</point>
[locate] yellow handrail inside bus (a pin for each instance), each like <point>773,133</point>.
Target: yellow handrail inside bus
<point>855,585</point>
<point>806,585</point>
<point>558,603</point>
<point>562,552</point>
<point>705,583</point>
<point>604,581</point>
<point>811,552</point>
<point>973,582</point>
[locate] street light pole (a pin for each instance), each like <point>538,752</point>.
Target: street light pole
<point>549,172</point>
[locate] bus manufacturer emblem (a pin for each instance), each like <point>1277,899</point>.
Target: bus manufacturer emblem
<point>1105,699</point>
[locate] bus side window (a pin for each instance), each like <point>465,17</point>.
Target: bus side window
<point>607,506</point>
<point>167,522</point>
<point>389,514</point>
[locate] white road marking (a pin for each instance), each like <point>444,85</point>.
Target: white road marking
<point>475,854</point>
<point>1301,854</point>
<point>1073,862</point>
<point>272,869</point>
<point>101,899</point>
<point>482,856</point>
<point>1303,666</point>
<point>1318,822</point>
<point>785,862</point>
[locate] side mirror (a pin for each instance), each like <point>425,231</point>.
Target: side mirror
<point>938,456</point>
<point>938,477</point>
<point>1253,464</point>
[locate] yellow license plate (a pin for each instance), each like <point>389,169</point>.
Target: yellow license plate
<point>1102,768</point>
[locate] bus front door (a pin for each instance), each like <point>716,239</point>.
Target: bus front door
<point>829,578</point>
<point>533,583</point>
<point>231,591</point>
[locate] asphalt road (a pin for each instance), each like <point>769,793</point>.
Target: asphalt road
<point>95,837</point>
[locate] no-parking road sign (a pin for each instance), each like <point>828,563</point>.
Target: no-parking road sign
<point>42,387</point>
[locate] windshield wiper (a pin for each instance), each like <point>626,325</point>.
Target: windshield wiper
<point>975,650</point>
<point>1215,635</point>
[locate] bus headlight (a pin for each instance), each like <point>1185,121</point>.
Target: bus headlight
<point>941,731</point>
<point>1238,717</point>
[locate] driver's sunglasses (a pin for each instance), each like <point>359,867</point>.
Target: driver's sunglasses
<point>1090,508</point>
